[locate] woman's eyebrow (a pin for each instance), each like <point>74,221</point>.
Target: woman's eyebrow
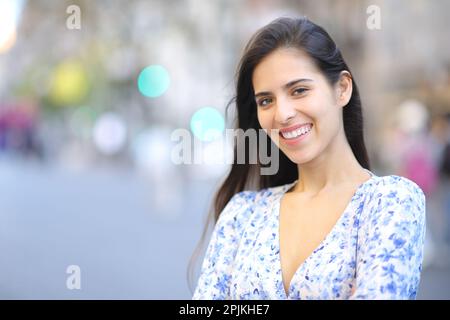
<point>286,86</point>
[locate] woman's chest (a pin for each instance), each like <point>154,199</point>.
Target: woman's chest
<point>327,273</point>
<point>304,225</point>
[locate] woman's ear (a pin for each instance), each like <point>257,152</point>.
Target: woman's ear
<point>344,88</point>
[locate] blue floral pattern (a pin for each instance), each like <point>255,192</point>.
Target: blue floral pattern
<point>374,251</point>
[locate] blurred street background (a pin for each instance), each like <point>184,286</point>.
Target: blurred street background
<point>91,92</point>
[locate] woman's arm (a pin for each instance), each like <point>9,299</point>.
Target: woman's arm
<point>390,244</point>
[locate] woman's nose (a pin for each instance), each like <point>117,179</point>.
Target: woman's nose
<point>285,111</point>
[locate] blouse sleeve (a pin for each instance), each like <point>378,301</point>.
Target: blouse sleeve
<point>390,244</point>
<point>215,276</point>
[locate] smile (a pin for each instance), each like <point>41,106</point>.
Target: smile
<point>290,135</point>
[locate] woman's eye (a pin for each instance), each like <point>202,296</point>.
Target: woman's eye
<point>299,91</point>
<point>264,102</point>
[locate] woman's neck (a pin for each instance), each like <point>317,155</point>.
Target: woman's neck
<point>334,168</point>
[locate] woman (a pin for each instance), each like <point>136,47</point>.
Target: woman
<point>324,226</point>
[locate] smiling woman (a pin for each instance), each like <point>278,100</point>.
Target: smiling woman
<point>323,226</point>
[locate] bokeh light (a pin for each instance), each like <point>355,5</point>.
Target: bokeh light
<point>8,39</point>
<point>109,133</point>
<point>10,11</point>
<point>207,124</point>
<point>153,81</point>
<point>151,149</point>
<point>412,116</point>
<point>69,83</point>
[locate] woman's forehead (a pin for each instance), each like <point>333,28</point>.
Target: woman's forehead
<point>281,67</point>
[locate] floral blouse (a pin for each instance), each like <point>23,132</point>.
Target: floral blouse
<point>374,251</point>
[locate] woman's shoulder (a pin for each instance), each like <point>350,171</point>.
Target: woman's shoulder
<point>396,197</point>
<point>394,186</point>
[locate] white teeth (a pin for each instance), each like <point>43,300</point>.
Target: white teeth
<point>296,133</point>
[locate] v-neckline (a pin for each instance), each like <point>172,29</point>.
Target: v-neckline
<point>321,244</point>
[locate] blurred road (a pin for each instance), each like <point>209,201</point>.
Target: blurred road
<point>104,222</point>
<point>107,223</point>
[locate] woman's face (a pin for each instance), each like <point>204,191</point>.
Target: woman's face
<point>292,95</point>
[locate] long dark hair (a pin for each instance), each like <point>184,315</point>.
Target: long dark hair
<point>312,39</point>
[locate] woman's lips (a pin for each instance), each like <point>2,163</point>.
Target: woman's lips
<point>296,140</point>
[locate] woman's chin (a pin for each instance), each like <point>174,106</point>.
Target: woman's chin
<point>297,157</point>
